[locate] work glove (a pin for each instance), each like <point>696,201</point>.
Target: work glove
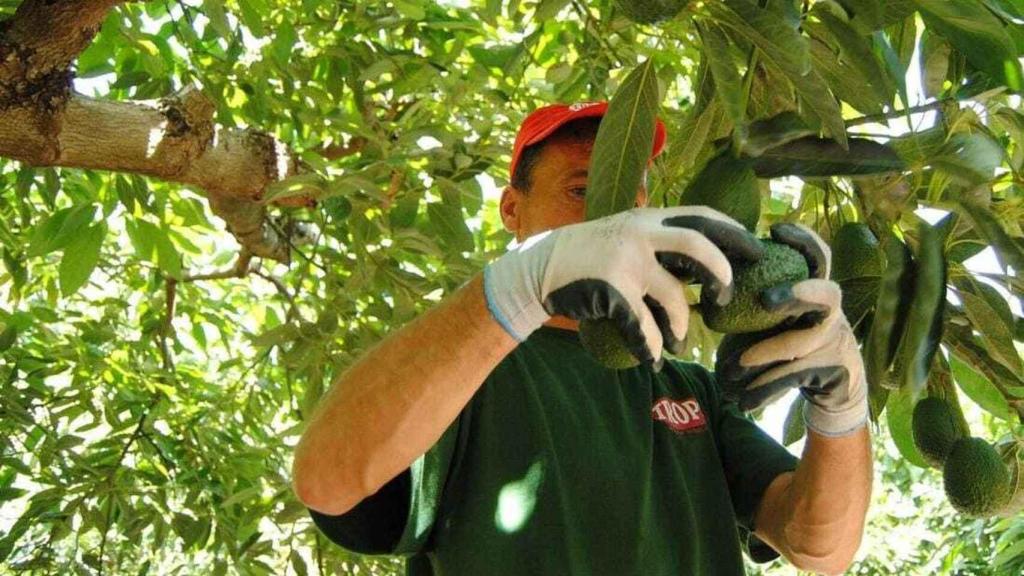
<point>626,267</point>
<point>814,351</point>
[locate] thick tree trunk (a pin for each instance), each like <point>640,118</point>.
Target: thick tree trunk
<point>43,123</point>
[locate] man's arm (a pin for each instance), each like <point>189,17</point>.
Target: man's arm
<point>394,403</point>
<point>815,515</point>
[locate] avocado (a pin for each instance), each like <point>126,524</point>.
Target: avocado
<point>936,429</point>
<point>729,185</point>
<point>857,268</point>
<point>780,264</point>
<point>602,339</point>
<point>976,480</point>
<point>855,253</point>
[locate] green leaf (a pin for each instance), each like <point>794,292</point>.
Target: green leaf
<point>80,258</point>
<point>447,220</point>
<point>728,85</point>
<point>167,255</point>
<point>969,159</point>
<point>410,9</point>
<point>845,82</point>
<point>784,48</point>
<point>769,133</point>
<point>548,9</point>
<point>924,318</point>
<point>856,50</point>
<point>8,337</point>
<point>142,236</point>
<point>768,30</point>
<point>189,529</point>
<point>1009,251</point>
<point>817,157</point>
<point>794,428</point>
<point>15,267</point>
<point>60,229</point>
<point>887,324</point>
<point>871,15</point>
<point>623,144</point>
<point>1013,121</point>
<point>935,52</point>
<point>979,388</point>
<point>978,34</point>
<point>899,411</point>
<point>996,334</point>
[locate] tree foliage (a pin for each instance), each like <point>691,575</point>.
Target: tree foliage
<point>156,368</point>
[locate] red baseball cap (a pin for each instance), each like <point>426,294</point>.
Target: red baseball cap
<point>543,122</point>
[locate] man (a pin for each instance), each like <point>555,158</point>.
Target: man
<point>481,439</point>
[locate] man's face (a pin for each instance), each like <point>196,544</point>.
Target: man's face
<point>557,195</point>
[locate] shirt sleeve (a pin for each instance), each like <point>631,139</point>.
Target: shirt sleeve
<point>398,519</point>
<point>752,460</point>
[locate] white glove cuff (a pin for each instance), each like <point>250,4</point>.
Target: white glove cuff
<point>835,423</point>
<point>510,297</point>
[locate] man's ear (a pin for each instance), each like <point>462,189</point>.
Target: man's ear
<point>511,204</point>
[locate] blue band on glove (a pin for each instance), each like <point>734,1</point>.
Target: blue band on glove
<point>489,297</point>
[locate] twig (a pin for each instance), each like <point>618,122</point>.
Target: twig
<point>159,451</point>
<point>117,467</point>
<point>240,269</point>
<point>171,291</point>
<point>898,113</point>
<point>319,556</point>
<point>336,151</point>
<point>281,289</point>
<point>584,13</point>
<point>288,240</point>
<point>397,177</point>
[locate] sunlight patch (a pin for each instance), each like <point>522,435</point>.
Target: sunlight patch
<point>517,500</point>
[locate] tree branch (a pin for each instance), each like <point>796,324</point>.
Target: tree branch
<point>43,123</point>
<point>334,151</point>
<point>38,44</point>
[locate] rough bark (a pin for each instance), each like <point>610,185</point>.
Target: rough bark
<point>44,123</point>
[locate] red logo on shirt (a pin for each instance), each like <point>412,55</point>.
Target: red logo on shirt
<point>682,416</point>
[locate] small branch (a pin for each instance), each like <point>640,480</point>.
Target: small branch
<point>170,292</point>
<point>278,284</point>
<point>588,19</point>
<point>239,270</point>
<point>936,105</point>
<point>159,451</point>
<point>106,530</point>
<point>319,556</point>
<point>40,41</point>
<point>136,434</point>
<point>397,178</point>
<point>337,151</point>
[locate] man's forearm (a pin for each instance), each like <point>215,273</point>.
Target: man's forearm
<point>395,402</point>
<point>815,515</point>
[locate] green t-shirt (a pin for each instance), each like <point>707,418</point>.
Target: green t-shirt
<point>561,466</point>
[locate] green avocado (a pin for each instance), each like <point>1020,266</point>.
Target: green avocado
<point>936,429</point>
<point>976,480</point>
<point>855,253</point>
<point>601,338</point>
<point>745,313</point>
<point>728,185</point>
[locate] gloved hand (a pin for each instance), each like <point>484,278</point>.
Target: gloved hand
<point>817,352</point>
<point>626,267</point>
